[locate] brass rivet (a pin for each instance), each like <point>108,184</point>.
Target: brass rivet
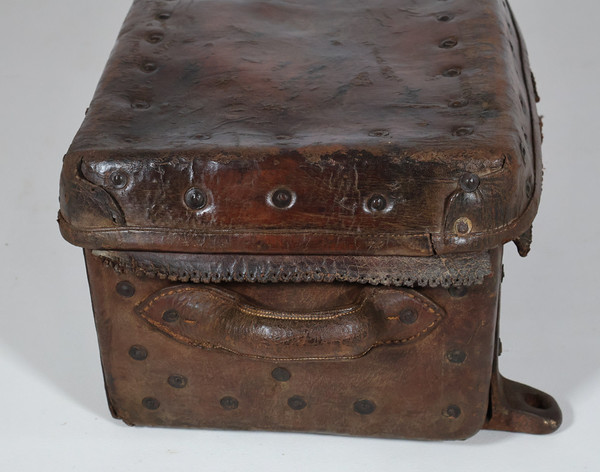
<point>139,353</point>
<point>151,403</point>
<point>452,411</point>
<point>229,403</point>
<point>408,316</point>
<point>125,289</point>
<point>281,374</point>
<point>364,407</point>
<point>296,403</point>
<point>195,199</point>
<point>118,179</point>
<point>177,381</point>
<point>469,182</point>
<point>463,226</point>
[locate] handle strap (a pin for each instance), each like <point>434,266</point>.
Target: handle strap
<point>216,318</point>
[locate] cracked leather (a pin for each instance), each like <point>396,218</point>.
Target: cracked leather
<point>397,100</point>
<point>216,318</point>
<point>444,271</point>
<point>256,184</point>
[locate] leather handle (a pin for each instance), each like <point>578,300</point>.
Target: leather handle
<point>216,318</point>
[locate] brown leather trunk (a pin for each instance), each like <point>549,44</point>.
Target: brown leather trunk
<point>293,215</point>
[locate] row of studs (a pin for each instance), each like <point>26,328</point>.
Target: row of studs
<point>154,37</point>
<point>283,198</point>
<point>281,374</point>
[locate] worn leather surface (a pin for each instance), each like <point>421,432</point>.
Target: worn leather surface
<point>434,386</point>
<point>370,145</point>
<point>445,271</point>
<point>217,318</point>
<point>338,102</point>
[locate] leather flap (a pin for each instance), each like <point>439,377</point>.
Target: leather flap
<point>401,128</point>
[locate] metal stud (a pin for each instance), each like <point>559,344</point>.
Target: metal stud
<point>448,43</point>
<point>379,133</point>
<point>463,131</point>
<point>118,179</point>
<point>296,403</point>
<point>458,291</point>
<point>139,353</point>
<point>408,316</point>
<point>469,182</point>
<point>281,374</point>
<point>149,66</point>
<point>452,72</point>
<point>177,381</point>
<point>151,403</point>
<point>170,316</point>
<point>140,105</point>
<point>364,407</point>
<point>155,37</point>
<point>282,198</point>
<point>452,411</point>
<point>229,403</point>
<point>456,356</point>
<point>195,199</point>
<point>463,226</point>
<point>125,289</point>
<point>445,18</point>
<point>377,203</point>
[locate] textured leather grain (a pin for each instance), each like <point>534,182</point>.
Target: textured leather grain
<point>371,115</point>
<point>293,212</point>
<point>434,386</point>
<point>216,318</point>
<point>445,271</point>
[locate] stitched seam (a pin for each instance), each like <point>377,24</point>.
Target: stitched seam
<point>204,345</point>
<point>255,311</point>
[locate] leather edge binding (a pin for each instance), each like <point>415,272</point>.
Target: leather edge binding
<point>397,271</point>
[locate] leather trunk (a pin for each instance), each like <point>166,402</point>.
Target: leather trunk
<point>293,215</point>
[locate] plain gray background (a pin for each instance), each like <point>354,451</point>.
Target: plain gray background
<point>54,413</point>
